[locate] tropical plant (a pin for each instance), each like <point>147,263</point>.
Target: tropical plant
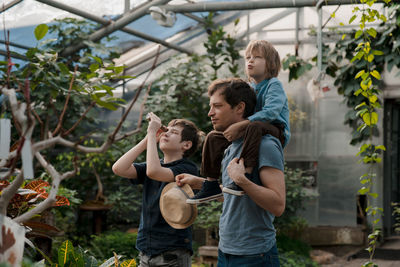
<point>68,255</point>
<point>104,245</point>
<point>29,196</point>
<point>56,85</point>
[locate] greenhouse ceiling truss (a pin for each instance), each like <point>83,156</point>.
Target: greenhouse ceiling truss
<point>121,22</point>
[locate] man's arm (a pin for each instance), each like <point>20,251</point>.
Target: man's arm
<point>154,169</point>
<point>124,165</point>
<point>271,196</point>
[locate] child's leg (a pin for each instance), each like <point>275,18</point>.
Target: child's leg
<point>213,151</point>
<point>251,147</point>
<point>252,139</point>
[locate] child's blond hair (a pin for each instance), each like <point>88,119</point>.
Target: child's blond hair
<point>269,53</point>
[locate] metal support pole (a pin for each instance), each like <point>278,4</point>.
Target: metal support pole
<point>196,18</point>
<point>14,55</point>
<point>16,45</point>
<point>108,22</point>
<point>113,25</point>
<point>297,43</point>
<point>127,6</point>
<point>266,22</point>
<point>9,5</point>
<point>319,38</point>
<point>245,5</point>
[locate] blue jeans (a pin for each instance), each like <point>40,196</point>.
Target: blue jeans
<point>268,259</point>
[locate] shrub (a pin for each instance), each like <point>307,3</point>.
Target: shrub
<point>103,246</point>
<point>291,259</point>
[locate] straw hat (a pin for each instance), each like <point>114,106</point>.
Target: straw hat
<point>174,208</point>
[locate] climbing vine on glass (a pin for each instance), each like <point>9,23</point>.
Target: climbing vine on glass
<point>368,79</point>
<point>357,62</point>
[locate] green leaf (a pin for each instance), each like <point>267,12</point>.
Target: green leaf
<point>360,105</point>
<point>376,74</point>
<point>372,32</point>
<point>370,58</point>
<point>65,252</point>
<point>40,31</point>
<point>128,263</point>
<point>359,74</point>
<point>363,190</point>
<point>63,68</point>
<point>93,67</point>
<point>370,118</point>
<point>373,98</point>
<point>380,147</point>
<point>352,19</point>
<point>358,34</point>
<point>377,53</point>
<point>374,195</point>
<point>97,59</point>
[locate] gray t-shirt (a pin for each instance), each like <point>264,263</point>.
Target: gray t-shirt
<point>244,227</point>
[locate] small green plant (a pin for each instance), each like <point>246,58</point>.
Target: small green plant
<point>68,255</point>
<point>291,259</point>
<point>220,47</point>
<point>396,215</point>
<point>104,246</point>
<point>208,215</point>
<point>296,65</point>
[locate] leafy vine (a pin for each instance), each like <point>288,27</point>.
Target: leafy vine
<point>356,63</point>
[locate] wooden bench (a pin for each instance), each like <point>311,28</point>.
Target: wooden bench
<point>209,255</point>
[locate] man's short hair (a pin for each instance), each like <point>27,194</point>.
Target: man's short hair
<point>235,90</point>
<point>269,53</point>
<point>190,132</point>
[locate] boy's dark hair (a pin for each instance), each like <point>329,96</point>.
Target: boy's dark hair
<point>269,53</point>
<point>190,132</point>
<point>235,90</point>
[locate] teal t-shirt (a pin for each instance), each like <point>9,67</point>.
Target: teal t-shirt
<point>244,227</point>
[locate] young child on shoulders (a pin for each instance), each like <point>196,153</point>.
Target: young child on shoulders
<point>271,117</point>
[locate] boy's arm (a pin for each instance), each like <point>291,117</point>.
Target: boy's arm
<point>124,165</point>
<point>236,130</point>
<point>271,195</point>
<point>154,169</point>
<point>274,102</point>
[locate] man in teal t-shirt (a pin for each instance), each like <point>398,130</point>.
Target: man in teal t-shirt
<point>247,234</point>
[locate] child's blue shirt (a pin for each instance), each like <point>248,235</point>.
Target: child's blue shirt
<point>272,105</point>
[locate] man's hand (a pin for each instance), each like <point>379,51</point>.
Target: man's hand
<point>195,182</point>
<point>236,171</point>
<point>236,130</point>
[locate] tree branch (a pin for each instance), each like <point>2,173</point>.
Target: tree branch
<point>80,119</point>
<point>140,119</point>
<point>8,193</point>
<point>60,120</point>
<point>112,136</point>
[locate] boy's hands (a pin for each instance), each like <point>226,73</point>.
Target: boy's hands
<point>154,126</point>
<point>236,130</point>
<point>195,182</point>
